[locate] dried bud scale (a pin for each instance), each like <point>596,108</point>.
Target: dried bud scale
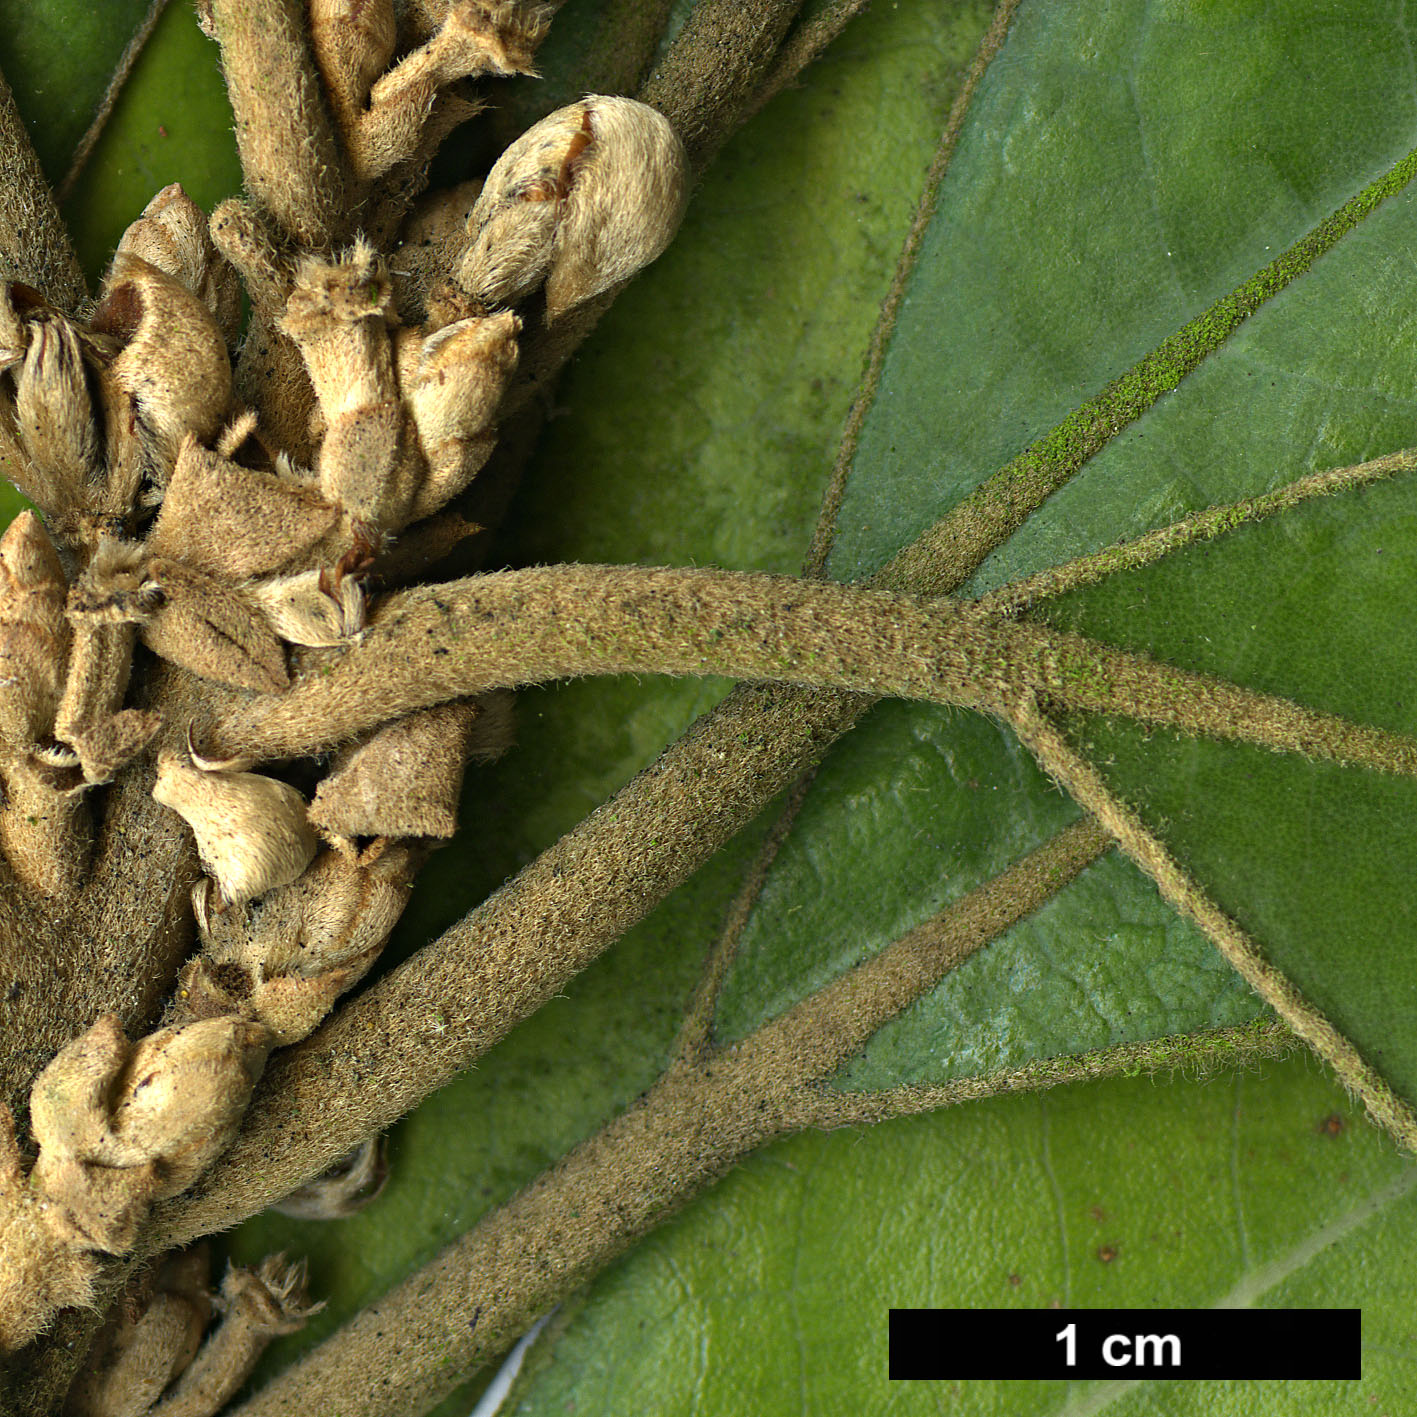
<point>245,239</point>
<point>152,1336</point>
<point>453,381</point>
<point>316,608</point>
<point>105,606</point>
<point>54,418</point>
<point>45,830</point>
<point>353,42</point>
<point>403,780</point>
<point>34,633</point>
<point>345,1189</point>
<point>372,381</point>
<point>339,316</point>
<point>172,235</point>
<point>211,628</point>
<point>236,522</point>
<point>283,960</point>
<point>39,1273</point>
<point>97,408</point>
<point>252,832</point>
<point>173,361</point>
<point>118,1126</point>
<point>122,1125</point>
<point>382,116</point>
<point>410,558</point>
<point>44,827</point>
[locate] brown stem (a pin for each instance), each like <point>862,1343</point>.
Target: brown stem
<point>479,1274</point>
<point>289,158</point>
<point>520,947</point>
<point>706,81</point>
<point>513,628</point>
<point>516,950</point>
<point>407,1350</point>
<point>813,35</point>
<point>34,242</point>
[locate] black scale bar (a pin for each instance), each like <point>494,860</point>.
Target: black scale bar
<point>1266,1344</point>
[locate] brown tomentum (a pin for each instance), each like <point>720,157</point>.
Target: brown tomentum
<point>216,501</point>
<point>235,713</point>
<point>175,518</point>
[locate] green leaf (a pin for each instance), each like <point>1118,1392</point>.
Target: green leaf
<point>699,426</point>
<point>1124,166</point>
<point>771,1294</point>
<point>59,60</point>
<point>1105,207</point>
<point>172,123</point>
<point>700,421</point>
<point>1303,855</point>
<point>1101,197</point>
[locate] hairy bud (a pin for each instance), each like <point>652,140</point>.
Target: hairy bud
<point>385,117</point>
<point>316,608</point>
<point>212,629</point>
<point>234,522</point>
<point>285,958</point>
<point>150,1337</point>
<point>453,381</point>
<point>122,1125</point>
<point>39,1271</point>
<point>54,417</point>
<point>173,359</point>
<point>172,235</point>
<point>339,316</point>
<point>257,1305</point>
<point>580,202</point>
<point>105,606</point>
<point>403,780</point>
<point>353,41</point>
<point>252,833</point>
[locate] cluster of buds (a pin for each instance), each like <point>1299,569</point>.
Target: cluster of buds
<point>119,1126</point>
<point>94,413</point>
<point>389,116</point>
<point>150,1360</point>
<point>178,515</point>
